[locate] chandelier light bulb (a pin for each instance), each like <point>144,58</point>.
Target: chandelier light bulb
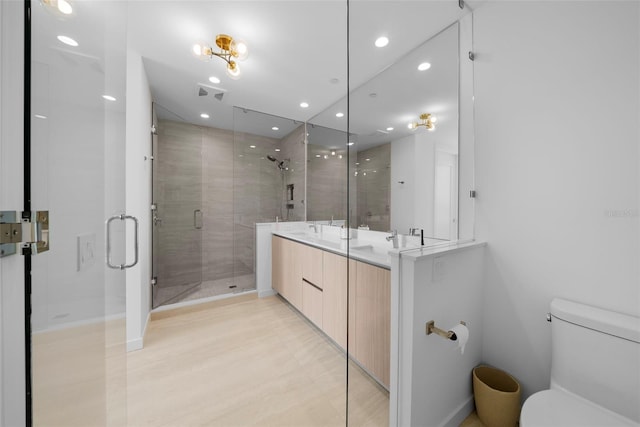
<point>233,70</point>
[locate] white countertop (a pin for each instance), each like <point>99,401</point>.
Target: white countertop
<point>366,246</point>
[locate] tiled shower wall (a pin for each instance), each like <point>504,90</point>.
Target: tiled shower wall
<point>374,187</point>
<point>234,185</point>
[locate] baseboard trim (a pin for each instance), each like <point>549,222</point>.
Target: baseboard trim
<point>267,293</point>
<point>459,414</point>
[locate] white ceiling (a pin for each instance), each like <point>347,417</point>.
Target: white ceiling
<point>296,48</point>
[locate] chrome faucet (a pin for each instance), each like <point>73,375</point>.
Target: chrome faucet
<point>314,226</point>
<point>393,238</point>
<point>414,231</point>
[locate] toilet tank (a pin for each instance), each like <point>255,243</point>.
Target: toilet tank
<point>596,355</point>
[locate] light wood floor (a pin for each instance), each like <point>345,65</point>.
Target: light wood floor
<point>238,362</point>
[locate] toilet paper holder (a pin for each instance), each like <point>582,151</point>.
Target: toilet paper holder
<point>433,329</point>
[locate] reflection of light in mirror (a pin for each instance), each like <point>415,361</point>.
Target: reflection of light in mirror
<point>382,41</point>
<point>424,66</point>
<point>68,41</point>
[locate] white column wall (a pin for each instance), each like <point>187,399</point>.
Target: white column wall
<point>138,197</point>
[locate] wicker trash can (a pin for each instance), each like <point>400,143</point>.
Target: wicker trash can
<point>497,397</point>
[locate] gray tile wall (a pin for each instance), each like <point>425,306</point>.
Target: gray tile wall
<point>234,186</point>
<point>374,187</point>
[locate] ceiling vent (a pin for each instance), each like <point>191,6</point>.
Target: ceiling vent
<point>203,90</point>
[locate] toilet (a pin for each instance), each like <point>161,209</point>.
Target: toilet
<point>595,370</point>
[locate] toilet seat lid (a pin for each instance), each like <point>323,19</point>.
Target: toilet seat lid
<point>552,408</point>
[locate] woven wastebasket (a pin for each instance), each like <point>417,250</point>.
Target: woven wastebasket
<point>497,397</point>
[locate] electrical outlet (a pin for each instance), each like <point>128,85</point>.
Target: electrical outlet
<point>86,251</point>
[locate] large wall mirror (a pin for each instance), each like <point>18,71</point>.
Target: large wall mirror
<point>403,171</point>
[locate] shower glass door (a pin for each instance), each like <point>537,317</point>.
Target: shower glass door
<point>178,218</point>
<point>78,67</point>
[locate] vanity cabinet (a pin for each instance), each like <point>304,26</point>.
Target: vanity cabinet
<point>315,282</point>
<point>371,320</point>
<point>286,270</point>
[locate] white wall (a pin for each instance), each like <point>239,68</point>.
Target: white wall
<point>402,195</point>
<point>138,198</point>
<point>12,391</point>
<point>556,95</point>
<point>434,377</point>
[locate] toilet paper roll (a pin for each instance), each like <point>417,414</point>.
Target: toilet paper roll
<point>462,334</point>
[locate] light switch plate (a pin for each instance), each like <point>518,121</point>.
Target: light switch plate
<point>86,251</point>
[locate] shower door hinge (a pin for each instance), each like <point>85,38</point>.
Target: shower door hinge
<point>27,230</point>
<point>154,207</point>
<point>472,194</point>
<point>154,130</point>
<point>472,56</point>
<point>154,281</point>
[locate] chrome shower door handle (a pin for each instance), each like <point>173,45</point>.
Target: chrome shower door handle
<point>108,240</point>
<point>197,219</point>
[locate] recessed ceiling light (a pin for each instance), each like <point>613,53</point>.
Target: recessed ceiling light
<point>424,66</point>
<point>277,149</point>
<point>333,153</point>
<point>382,41</point>
<point>326,157</point>
<point>350,143</point>
<point>275,128</point>
<point>68,41</point>
<point>108,97</point>
<point>214,79</point>
<point>204,115</point>
<point>357,163</point>
<point>367,159</point>
<point>64,7</point>
<point>339,156</point>
<point>317,155</point>
<point>252,146</point>
<point>389,129</point>
<point>304,104</point>
<point>339,114</point>
<point>39,116</point>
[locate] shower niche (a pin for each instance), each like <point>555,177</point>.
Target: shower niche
<point>211,185</point>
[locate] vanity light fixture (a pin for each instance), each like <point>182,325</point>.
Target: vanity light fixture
<point>230,51</point>
<point>426,119</point>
